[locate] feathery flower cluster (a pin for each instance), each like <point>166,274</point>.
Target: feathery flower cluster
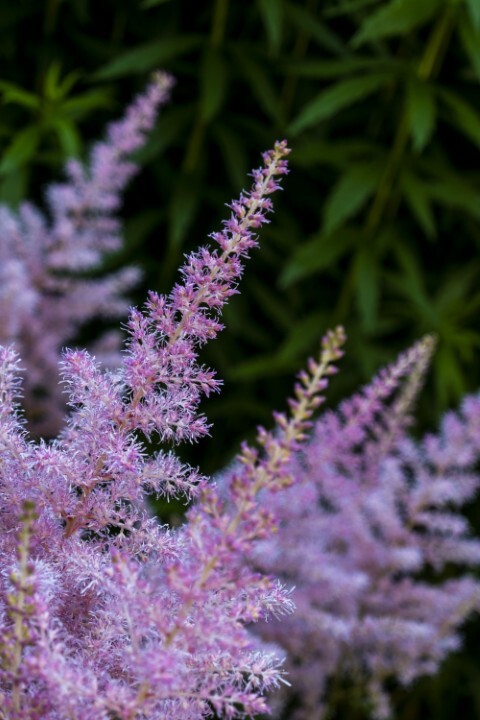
<point>365,535</point>
<point>46,288</point>
<point>103,612</point>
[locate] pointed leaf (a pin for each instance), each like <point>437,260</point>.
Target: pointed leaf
<point>417,198</point>
<point>148,56</point>
<point>421,111</point>
<point>397,18</point>
<point>213,83</point>
<point>318,254</point>
<point>260,84</point>
<point>470,37</point>
<point>336,98</point>
<point>350,194</point>
<point>462,115</point>
<point>319,31</point>
<point>474,11</point>
<point>22,148</point>
<point>272,16</point>
<point>367,286</point>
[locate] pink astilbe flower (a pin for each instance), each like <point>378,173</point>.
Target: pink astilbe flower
<point>46,292</point>
<point>104,613</point>
<point>365,534</point>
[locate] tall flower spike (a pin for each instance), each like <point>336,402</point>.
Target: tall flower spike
<point>369,512</point>
<point>45,295</point>
<point>125,626</point>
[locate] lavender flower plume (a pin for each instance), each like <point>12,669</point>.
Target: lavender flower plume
<point>103,612</point>
<point>370,511</point>
<point>46,293</point>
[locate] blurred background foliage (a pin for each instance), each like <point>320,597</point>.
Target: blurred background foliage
<point>378,227</point>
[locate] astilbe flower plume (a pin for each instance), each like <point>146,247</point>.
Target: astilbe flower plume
<point>104,613</point>
<point>365,535</point>
<point>48,287</point>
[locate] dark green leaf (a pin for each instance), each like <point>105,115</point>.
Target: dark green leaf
<point>474,11</point>
<point>260,84</point>
<point>15,94</point>
<point>148,57</point>
<point>399,17</point>
<point>303,335</point>
<point>22,148</point>
<point>417,198</point>
<point>272,16</point>
<point>463,115</point>
<point>336,98</point>
<point>330,69</point>
<point>272,306</point>
<point>213,81</point>
<point>367,287</point>
<point>453,192</point>
<point>309,151</point>
<point>146,4</point>
<point>68,136</point>
<point>183,206</point>
<point>349,6</point>
<point>80,105</point>
<point>233,154</point>
<point>349,195</point>
<point>470,37</point>
<point>421,111</point>
<point>318,254</point>
<point>13,186</point>
<point>312,26</point>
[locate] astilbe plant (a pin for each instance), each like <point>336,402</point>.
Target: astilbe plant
<point>105,614</point>
<point>48,288</point>
<point>371,538</point>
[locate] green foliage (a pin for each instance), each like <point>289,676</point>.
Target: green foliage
<point>378,227</point>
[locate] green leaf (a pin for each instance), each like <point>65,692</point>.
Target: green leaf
<point>80,105</point>
<point>367,287</point>
<point>182,209</point>
<point>399,17</point>
<point>336,98</point>
<point>470,37</point>
<point>416,195</point>
<point>68,136</point>
<point>304,333</point>
<point>148,56</point>
<point>318,254</point>
<point>13,187</point>
<point>313,27</point>
<point>260,84</point>
<point>462,115</point>
<point>22,148</point>
<point>350,6</point>
<point>349,195</point>
<point>272,16</point>
<point>15,94</point>
<point>233,154</point>
<point>329,69</point>
<point>277,311</point>
<point>474,11</point>
<point>147,4</point>
<point>338,154</point>
<point>452,191</point>
<point>421,112</point>
<point>213,84</point>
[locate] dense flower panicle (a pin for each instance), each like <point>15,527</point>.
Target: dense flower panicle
<point>369,512</point>
<point>126,618</point>
<point>45,295</point>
